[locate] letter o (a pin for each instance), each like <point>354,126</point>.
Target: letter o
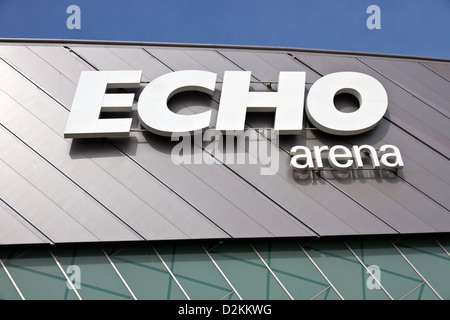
<point>322,112</point>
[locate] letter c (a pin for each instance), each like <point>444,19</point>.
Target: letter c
<point>154,113</point>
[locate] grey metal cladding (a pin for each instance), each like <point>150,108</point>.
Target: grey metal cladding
<point>321,220</point>
<point>440,68</point>
<point>429,87</point>
<point>405,110</point>
<point>228,207</point>
<point>414,209</point>
<point>73,190</point>
<point>18,230</point>
<point>90,175</point>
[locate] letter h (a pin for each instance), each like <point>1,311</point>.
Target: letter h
<point>287,103</point>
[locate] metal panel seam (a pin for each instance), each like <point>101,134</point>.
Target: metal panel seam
<point>71,180</point>
<point>39,234</point>
<point>390,121</point>
<point>142,167</point>
<point>398,85</point>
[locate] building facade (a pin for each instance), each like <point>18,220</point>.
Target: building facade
<point>153,217</point>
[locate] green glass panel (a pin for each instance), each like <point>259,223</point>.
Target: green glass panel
<point>97,278</point>
<point>292,267</point>
<point>7,290</point>
<point>37,275</point>
<point>144,272</point>
<point>230,296</point>
<point>247,273</point>
<point>395,274</point>
<point>194,270</point>
<point>444,241</point>
<point>343,270</point>
<point>421,293</point>
<point>430,260</point>
<point>327,294</point>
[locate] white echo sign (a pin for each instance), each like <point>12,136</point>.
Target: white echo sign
<point>236,100</point>
<point>91,98</point>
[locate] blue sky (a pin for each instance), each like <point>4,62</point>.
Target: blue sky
<point>411,27</point>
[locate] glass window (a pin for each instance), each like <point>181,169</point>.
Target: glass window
<point>247,273</point>
<point>144,272</point>
<point>386,263</point>
<point>37,275</point>
<point>423,292</point>
<point>327,294</point>
<point>444,241</point>
<point>7,289</point>
<point>430,260</point>
<point>195,271</point>
<point>342,269</point>
<point>326,269</point>
<point>88,264</point>
<point>293,268</point>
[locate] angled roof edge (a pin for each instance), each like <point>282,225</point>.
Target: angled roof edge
<point>211,46</point>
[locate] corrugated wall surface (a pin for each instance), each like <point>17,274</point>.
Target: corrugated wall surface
<point>55,190</point>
